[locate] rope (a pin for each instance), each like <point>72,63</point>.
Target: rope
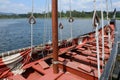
<point>60,11</point>
<point>70,8</point>
<point>94,13</point>
<point>44,35</point>
<point>95,16</point>
<point>107,13</point>
<point>102,20</point>
<point>60,24</point>
<point>48,15</point>
<point>111,5</point>
<point>98,53</point>
<point>45,25</point>
<point>32,7</point>
<point>97,41</point>
<point>45,28</point>
<point>32,21</point>
<point>71,20</point>
<point>109,38</point>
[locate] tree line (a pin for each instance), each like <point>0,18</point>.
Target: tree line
<point>76,14</point>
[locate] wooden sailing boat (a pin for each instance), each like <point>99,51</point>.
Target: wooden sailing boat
<point>76,61</point>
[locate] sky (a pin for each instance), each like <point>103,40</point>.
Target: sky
<point>24,6</point>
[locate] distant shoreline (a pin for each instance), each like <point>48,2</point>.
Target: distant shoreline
<point>75,14</point>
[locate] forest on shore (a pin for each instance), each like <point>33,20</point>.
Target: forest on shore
<point>76,14</point>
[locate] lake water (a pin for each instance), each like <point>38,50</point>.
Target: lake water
<point>15,33</point>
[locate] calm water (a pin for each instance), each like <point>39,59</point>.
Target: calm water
<point>15,33</point>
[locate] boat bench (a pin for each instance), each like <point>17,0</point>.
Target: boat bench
<point>50,75</point>
<point>43,64</point>
<point>85,68</point>
<point>38,68</point>
<point>83,58</point>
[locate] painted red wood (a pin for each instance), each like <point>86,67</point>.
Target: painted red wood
<point>85,68</point>
<point>61,59</point>
<point>17,77</point>
<point>43,64</point>
<point>38,68</point>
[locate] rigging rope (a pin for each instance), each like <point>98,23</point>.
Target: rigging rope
<point>107,13</point>
<point>49,29</point>
<point>109,37</point>
<point>96,22</point>
<point>45,27</point>
<point>70,8</point>
<point>44,34</point>
<point>95,16</point>
<point>102,21</point>
<point>71,19</point>
<point>32,21</point>
<point>60,24</point>
<point>111,5</point>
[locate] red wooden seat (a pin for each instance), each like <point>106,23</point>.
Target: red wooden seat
<point>43,64</point>
<point>85,68</point>
<point>84,58</point>
<point>38,68</point>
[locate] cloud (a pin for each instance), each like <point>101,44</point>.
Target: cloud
<point>88,5</point>
<point>116,5</point>
<point>10,7</point>
<point>80,5</point>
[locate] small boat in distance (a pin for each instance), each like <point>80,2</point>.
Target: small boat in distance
<point>80,58</point>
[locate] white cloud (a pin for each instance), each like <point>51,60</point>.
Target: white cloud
<point>80,5</point>
<point>4,1</point>
<point>88,5</point>
<point>77,5</point>
<point>116,5</point>
<point>7,6</point>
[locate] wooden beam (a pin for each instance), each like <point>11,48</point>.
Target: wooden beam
<point>55,35</point>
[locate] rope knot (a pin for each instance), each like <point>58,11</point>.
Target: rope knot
<point>71,19</point>
<point>96,20</point>
<point>61,25</point>
<point>32,20</point>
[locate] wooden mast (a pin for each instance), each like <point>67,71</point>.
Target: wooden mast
<point>55,35</point>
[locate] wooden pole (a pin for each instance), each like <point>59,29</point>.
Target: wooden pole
<point>55,35</point>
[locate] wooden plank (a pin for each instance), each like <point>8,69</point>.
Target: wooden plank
<point>43,64</point>
<point>38,68</point>
<point>85,68</point>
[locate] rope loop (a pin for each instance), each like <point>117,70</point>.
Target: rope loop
<point>61,25</point>
<point>96,20</point>
<point>71,20</point>
<point>32,20</point>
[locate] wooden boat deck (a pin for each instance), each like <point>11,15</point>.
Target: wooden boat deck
<point>76,62</point>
